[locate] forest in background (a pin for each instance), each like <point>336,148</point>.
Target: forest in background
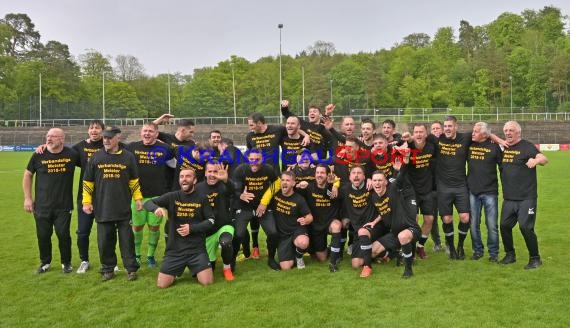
<point>521,60</point>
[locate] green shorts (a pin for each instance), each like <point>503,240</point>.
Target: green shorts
<point>212,241</point>
<point>142,217</point>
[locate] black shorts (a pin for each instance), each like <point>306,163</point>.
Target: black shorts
<point>447,197</point>
<point>318,240</point>
<point>175,265</point>
<point>286,248</point>
<point>392,243</point>
<point>426,203</point>
<point>375,233</point>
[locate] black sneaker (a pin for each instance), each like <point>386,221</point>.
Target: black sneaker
<point>460,253</point>
<point>132,276</point>
<point>408,273</point>
<point>273,264</point>
<point>106,276</point>
<point>44,267</point>
<point>493,259</point>
<point>509,258</point>
<point>476,256</point>
<point>452,253</point>
<point>66,268</point>
<point>533,263</point>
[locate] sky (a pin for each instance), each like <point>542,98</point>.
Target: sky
<point>179,36</point>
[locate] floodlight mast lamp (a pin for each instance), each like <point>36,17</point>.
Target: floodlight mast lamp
<point>280,27</point>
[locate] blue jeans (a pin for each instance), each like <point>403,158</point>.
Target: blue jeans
<point>490,203</point>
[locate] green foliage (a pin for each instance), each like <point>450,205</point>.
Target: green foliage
<point>439,71</point>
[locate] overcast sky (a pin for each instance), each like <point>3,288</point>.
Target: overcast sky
<point>179,36</point>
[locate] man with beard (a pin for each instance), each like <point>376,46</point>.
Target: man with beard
<point>347,127</point>
<point>321,196</point>
<point>191,216</point>
<point>219,190</point>
<point>54,170</point>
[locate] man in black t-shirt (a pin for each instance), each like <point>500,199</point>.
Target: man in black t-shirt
<point>191,217</point>
<point>109,184</point>
<point>321,195</point>
<point>359,212</point>
<point>518,178</point>
<point>484,157</point>
<point>292,216</point>
<point>54,170</point>
<point>251,181</point>
<point>151,156</point>
<point>421,174</point>
<point>320,137</point>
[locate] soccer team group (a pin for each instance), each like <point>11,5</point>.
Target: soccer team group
<point>366,194</point>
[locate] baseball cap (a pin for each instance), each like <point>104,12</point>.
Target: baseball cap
<point>111,131</point>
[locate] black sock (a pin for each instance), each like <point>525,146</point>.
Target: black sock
<point>422,240</point>
<point>254,225</point>
<point>407,253</point>
<point>462,229</point>
<point>366,248</point>
<point>449,233</point>
<point>343,236</point>
<point>271,247</point>
<point>227,248</point>
<point>350,237</point>
<point>335,247</point>
<point>299,253</point>
<point>213,265</point>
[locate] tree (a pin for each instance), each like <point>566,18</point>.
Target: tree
<point>128,68</point>
<point>417,40</point>
<point>93,64</point>
<point>321,48</point>
<point>23,36</point>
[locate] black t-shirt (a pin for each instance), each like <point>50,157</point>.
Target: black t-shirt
<point>232,157</point>
<point>151,162</point>
<point>383,161</point>
<point>111,174</point>
<point>289,147</point>
<point>268,142</point>
<point>286,210</point>
<point>85,149</point>
<point>422,168</point>
<point>342,168</point>
<point>398,204</point>
<point>451,159</point>
<point>356,205</point>
<point>54,179</point>
<point>518,181</point>
<point>183,208</point>
<point>171,173</point>
<point>323,208</point>
<point>219,195</point>
<point>320,137</point>
<point>255,182</point>
<point>482,167</point>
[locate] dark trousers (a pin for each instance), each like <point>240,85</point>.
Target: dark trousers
<point>107,241</point>
<point>84,225</point>
<point>523,212</point>
<point>46,221</point>
<point>267,222</point>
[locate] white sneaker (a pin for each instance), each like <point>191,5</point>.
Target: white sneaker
<point>83,267</point>
<point>116,269</point>
<point>300,263</point>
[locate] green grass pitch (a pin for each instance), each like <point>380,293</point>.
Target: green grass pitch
<point>441,293</point>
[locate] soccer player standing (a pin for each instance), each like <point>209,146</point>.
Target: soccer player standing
<point>151,157</point>
<point>54,170</point>
<point>518,178</point>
